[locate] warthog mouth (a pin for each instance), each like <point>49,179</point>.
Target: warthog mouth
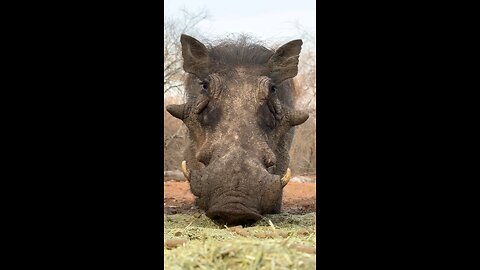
<point>232,214</point>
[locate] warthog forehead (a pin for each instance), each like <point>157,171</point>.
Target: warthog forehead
<point>243,86</point>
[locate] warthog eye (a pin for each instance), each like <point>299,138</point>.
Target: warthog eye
<point>204,85</point>
<point>273,89</point>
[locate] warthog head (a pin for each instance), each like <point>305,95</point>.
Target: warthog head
<point>239,114</point>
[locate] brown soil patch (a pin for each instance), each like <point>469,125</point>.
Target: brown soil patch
<point>298,198</point>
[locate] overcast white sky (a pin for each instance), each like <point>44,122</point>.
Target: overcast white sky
<point>264,19</point>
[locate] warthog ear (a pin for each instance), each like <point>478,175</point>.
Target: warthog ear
<point>284,62</point>
<point>195,57</point>
<point>177,111</point>
<point>297,117</point>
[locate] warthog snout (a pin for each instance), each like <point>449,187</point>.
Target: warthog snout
<point>233,214</point>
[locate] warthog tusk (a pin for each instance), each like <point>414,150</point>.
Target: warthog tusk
<point>185,171</point>
<point>286,177</point>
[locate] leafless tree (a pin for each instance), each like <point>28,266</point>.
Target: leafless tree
<point>173,76</point>
<point>172,57</point>
<point>307,71</point>
<point>303,151</point>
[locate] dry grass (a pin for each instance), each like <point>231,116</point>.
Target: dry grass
<point>277,242</point>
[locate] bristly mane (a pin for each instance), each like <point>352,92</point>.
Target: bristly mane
<point>243,51</point>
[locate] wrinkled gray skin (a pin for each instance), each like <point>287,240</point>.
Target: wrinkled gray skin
<point>240,120</point>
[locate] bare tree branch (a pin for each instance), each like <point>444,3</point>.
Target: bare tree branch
<point>172,66</point>
<point>180,133</point>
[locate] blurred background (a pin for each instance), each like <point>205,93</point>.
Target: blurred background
<point>273,22</point>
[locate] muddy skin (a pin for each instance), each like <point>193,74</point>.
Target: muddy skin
<point>240,120</point>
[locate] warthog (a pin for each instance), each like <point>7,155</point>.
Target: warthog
<point>239,114</point>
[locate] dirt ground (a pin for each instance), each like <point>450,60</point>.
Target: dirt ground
<point>298,198</point>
